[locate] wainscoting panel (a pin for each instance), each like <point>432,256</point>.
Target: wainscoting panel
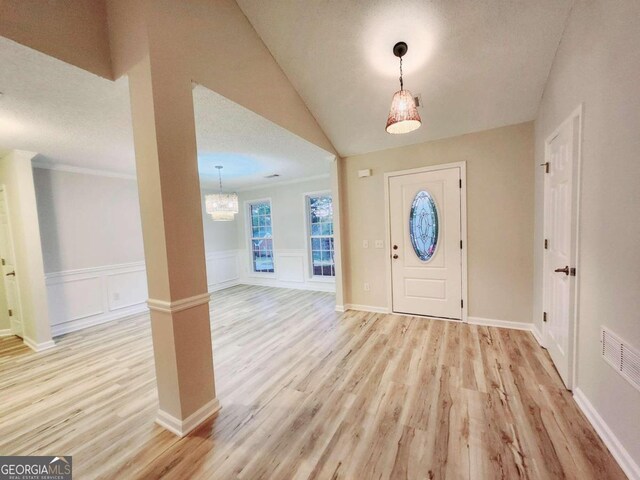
<point>291,271</point>
<point>222,269</point>
<point>90,296</point>
<point>290,266</point>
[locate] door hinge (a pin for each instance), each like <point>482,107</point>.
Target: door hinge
<point>546,166</point>
<point>3,262</point>
<point>10,313</point>
<point>544,316</point>
<point>460,183</point>
<point>461,303</point>
<point>546,244</point>
<point>460,244</point>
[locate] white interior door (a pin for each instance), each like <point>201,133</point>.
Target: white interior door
<point>8,270</point>
<point>559,264</point>
<point>425,229</point>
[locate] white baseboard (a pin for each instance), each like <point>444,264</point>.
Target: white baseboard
<point>366,308</point>
<point>79,324</point>
<point>316,287</point>
<point>628,465</point>
<point>537,334</point>
<point>6,332</point>
<point>340,308</point>
<point>214,287</point>
<point>183,427</point>
<point>38,347</point>
<point>490,322</point>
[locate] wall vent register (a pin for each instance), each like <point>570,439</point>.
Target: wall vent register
<point>621,356</point>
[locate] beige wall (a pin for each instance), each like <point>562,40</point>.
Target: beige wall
<point>598,64</point>
<point>87,220</point>
<point>16,174</point>
<point>213,44</point>
<point>500,218</point>
<point>75,31</point>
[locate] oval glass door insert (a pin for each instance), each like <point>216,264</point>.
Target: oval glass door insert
<point>423,225</point>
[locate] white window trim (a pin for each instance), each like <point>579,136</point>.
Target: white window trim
<point>248,238</point>
<point>307,238</point>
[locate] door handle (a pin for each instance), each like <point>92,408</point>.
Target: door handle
<point>395,256</point>
<point>564,270</point>
<point>11,273</point>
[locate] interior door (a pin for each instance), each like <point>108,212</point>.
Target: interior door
<point>559,273</point>
<point>8,270</point>
<point>426,264</point>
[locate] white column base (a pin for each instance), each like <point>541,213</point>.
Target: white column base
<point>38,347</point>
<point>182,427</point>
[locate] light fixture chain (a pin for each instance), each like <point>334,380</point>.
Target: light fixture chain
<point>220,179</point>
<point>401,84</point>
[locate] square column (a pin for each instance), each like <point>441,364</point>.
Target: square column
<point>170,207</point>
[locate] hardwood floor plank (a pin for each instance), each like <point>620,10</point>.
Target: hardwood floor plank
<point>306,393</point>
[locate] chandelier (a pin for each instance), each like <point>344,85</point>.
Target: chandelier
<point>403,115</point>
<point>222,206</point>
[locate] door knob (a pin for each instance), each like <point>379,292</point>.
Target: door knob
<point>11,273</point>
<point>564,270</point>
<point>395,256</point>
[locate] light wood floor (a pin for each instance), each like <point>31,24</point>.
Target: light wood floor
<point>305,393</point>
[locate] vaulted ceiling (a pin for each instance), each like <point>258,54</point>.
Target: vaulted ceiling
<point>478,64</point>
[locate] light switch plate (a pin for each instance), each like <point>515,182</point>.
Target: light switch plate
<point>365,244</point>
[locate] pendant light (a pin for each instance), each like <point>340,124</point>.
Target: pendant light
<point>222,206</point>
<point>403,115</point>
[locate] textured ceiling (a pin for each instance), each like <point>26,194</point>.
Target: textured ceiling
<point>478,64</point>
<point>74,118</point>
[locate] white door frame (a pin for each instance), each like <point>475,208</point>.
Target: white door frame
<point>18,299</point>
<point>463,227</point>
<point>577,117</point>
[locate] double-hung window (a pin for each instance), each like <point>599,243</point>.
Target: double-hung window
<point>320,224</point>
<point>261,237</point>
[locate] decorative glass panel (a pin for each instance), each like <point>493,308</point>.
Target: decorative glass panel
<point>423,225</point>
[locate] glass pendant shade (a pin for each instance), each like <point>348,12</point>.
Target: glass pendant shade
<point>403,115</point>
<point>222,206</point>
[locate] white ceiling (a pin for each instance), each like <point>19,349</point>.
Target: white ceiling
<point>73,118</point>
<point>478,64</point>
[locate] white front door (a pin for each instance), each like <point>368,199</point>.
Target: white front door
<point>8,269</point>
<point>559,263</point>
<point>425,228</point>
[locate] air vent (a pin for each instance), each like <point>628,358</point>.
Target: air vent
<point>273,175</point>
<point>621,356</point>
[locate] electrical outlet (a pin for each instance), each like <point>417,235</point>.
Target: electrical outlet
<point>365,244</point>
<point>379,244</point>
<point>366,287</point>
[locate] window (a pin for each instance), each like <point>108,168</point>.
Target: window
<point>423,225</point>
<point>320,214</point>
<point>261,237</point>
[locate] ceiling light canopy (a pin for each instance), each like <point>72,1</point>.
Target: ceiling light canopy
<point>403,115</point>
<point>222,206</point>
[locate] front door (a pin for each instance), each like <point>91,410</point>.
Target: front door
<point>559,274</point>
<point>426,256</point>
<point>8,271</point>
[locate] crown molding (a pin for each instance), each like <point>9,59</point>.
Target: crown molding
<point>61,167</point>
